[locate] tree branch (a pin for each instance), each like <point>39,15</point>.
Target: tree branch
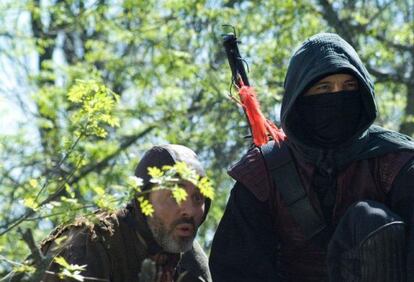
<point>128,141</point>
<point>333,20</point>
<point>27,237</point>
<point>398,46</point>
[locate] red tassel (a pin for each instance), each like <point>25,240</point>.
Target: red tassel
<point>260,126</point>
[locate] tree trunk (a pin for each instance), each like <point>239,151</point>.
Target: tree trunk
<point>407,126</point>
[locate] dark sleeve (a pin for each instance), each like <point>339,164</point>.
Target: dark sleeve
<point>80,249</point>
<point>402,202</point>
<point>244,246</point>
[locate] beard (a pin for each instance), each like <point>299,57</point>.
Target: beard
<point>164,236</point>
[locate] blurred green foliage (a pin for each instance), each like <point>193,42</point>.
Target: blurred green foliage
<point>99,82</point>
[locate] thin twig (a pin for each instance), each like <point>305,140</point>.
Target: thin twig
<point>31,211</point>
<point>58,165</point>
<point>85,277</point>
<point>27,236</point>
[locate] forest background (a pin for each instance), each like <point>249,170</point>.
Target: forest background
<point>87,86</point>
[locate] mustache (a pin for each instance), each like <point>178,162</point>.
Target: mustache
<point>185,220</point>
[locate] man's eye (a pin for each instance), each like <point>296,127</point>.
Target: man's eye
<point>323,87</point>
<point>171,198</point>
<point>198,198</point>
<point>351,85</point>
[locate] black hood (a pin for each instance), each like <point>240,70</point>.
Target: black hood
<point>159,156</point>
<point>322,55</point>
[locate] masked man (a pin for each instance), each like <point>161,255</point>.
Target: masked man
<point>127,246</point>
<point>334,201</point>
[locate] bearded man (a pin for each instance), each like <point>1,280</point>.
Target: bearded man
<point>129,246</point>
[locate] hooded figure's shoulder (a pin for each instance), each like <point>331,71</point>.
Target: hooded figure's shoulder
<point>252,171</point>
<point>382,141</point>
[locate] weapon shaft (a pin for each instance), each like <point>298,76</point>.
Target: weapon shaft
<point>236,62</point>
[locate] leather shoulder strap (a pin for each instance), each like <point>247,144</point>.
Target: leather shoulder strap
<point>285,177</point>
<point>251,171</point>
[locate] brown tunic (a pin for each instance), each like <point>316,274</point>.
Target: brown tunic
<point>115,248</point>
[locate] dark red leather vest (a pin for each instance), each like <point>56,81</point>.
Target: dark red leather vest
<point>369,179</point>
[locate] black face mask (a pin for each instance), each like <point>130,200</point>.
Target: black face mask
<point>330,119</point>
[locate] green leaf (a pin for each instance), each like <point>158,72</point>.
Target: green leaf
<point>146,207</point>
<point>62,262</point>
<point>179,194</point>
<point>206,188</point>
<point>31,203</point>
<point>135,182</point>
<point>155,172</point>
<point>70,270</point>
